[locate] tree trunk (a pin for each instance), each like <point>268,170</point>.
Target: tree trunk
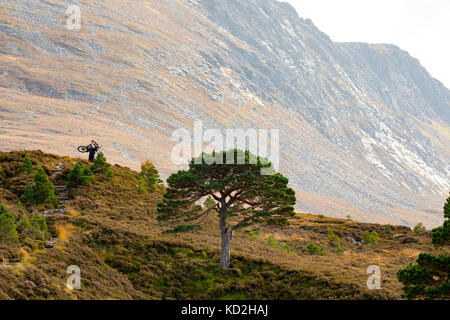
<point>226,239</point>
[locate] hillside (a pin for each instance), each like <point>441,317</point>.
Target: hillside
<point>364,128</point>
<point>109,229</point>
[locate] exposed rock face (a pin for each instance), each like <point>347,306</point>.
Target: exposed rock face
<point>365,130</point>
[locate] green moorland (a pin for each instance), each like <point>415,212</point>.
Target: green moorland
<point>109,228</point>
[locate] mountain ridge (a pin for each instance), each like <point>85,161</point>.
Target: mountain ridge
<point>366,130</point>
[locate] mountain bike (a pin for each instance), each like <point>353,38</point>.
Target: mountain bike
<point>85,149</point>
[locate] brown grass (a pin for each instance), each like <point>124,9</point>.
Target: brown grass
<point>115,237</point>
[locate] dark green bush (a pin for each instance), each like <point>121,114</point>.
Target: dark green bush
<point>8,233</point>
<point>150,174</point>
<point>419,228</point>
<point>312,248</point>
<point>333,237</point>
<point>429,278</point>
<point>101,166</point>
<point>370,237</point>
<point>42,192</point>
<point>388,229</point>
<point>39,225</point>
<point>79,175</point>
<point>27,166</point>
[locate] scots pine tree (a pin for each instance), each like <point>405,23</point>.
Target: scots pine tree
<point>239,189</point>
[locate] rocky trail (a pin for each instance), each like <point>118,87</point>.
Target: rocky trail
<point>61,190</point>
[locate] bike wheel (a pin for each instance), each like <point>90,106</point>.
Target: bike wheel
<point>83,149</point>
<point>95,144</point>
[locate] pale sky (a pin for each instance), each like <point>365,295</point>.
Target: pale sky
<point>421,27</point>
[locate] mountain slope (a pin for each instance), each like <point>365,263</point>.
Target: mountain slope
<point>109,229</point>
<point>364,129</point>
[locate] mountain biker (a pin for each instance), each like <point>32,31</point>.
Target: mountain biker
<point>92,150</point>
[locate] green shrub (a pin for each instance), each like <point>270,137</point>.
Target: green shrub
<point>42,192</point>
<point>28,195</point>
<point>285,246</point>
<point>23,224</point>
<point>101,166</point>
<point>273,243</point>
<point>370,237</point>
<point>79,175</point>
<point>349,217</point>
<point>141,187</point>
<point>24,227</point>
<point>333,237</point>
<point>150,174</point>
<point>420,228</point>
<point>39,225</point>
<point>20,205</point>
<point>312,248</point>
<point>27,166</point>
<point>8,233</point>
<point>388,229</point>
<point>254,234</point>
<point>321,216</point>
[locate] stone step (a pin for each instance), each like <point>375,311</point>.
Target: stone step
<point>53,212</point>
<point>49,244</point>
<point>13,261</point>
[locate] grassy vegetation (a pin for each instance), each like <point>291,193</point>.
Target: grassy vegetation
<point>370,237</point>
<point>110,229</point>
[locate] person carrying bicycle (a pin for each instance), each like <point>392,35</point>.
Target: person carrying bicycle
<point>92,150</point>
